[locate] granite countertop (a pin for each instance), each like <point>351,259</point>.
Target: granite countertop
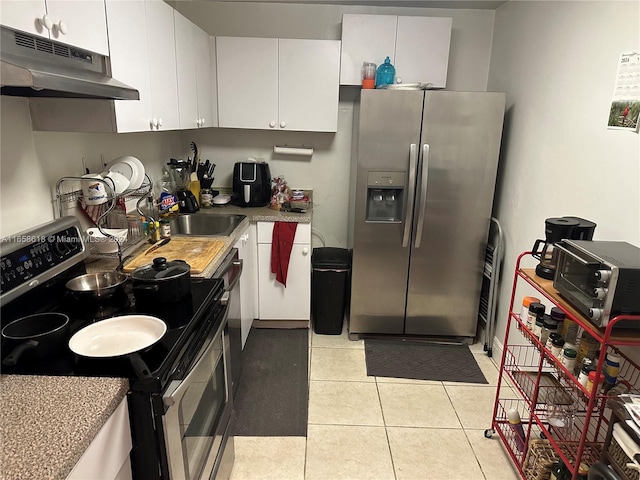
<point>46,423</point>
<point>253,214</point>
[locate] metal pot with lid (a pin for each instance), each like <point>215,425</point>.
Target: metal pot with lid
<point>162,281</point>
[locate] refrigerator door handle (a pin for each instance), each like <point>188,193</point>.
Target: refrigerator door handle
<point>423,193</point>
<point>408,216</point>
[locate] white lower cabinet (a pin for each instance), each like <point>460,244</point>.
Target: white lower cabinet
<point>107,457</point>
<point>246,246</point>
<point>275,301</point>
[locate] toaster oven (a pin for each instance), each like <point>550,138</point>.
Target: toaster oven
<point>601,279</point>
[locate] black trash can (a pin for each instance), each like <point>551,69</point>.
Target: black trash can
<point>329,281</point>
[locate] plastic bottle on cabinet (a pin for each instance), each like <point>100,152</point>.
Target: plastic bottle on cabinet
<point>610,370</point>
<point>385,74</point>
<point>516,425</point>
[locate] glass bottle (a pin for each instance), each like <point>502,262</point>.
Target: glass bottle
<point>385,74</point>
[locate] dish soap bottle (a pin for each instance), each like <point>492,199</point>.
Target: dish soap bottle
<point>385,73</point>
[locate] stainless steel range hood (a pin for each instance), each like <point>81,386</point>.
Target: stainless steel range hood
<point>32,66</point>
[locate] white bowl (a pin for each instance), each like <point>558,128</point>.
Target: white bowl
<point>120,182</point>
<point>103,243</point>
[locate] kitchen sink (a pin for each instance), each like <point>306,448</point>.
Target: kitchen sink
<point>205,225</point>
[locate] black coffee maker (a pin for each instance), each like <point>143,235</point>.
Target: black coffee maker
<point>556,229</point>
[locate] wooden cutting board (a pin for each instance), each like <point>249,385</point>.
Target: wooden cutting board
<point>197,252</point>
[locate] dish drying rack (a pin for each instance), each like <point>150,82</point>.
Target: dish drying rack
<point>69,196</point>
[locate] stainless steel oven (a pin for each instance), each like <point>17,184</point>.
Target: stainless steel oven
<point>199,410</point>
<point>181,414</point>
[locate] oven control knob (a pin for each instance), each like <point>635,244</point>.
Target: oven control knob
<point>595,313</point>
<point>603,275</point>
<point>600,293</point>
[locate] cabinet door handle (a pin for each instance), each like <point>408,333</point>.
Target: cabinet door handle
<point>202,122</point>
<point>46,22</point>
<point>62,27</point>
<point>159,122</point>
<point>272,124</point>
<point>305,250</point>
<point>283,124</point>
<point>153,123</point>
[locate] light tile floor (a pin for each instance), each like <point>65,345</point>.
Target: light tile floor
<point>381,428</point>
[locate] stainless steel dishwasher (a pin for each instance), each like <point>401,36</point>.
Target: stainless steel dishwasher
<point>230,271</point>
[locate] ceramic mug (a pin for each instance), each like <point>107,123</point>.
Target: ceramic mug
<point>94,190</point>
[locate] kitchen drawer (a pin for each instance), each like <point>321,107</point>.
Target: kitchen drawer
<point>265,233</point>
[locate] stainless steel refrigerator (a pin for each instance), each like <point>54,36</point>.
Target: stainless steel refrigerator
<point>422,183</point>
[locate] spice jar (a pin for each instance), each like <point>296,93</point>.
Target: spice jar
<point>610,370</point>
<point>526,302</point>
<point>206,198</point>
<point>535,308</point>
<point>556,346</point>
<point>587,347</point>
<point>548,325</point>
<point>549,343</point>
<point>165,228</point>
<point>569,358</point>
<point>592,379</point>
<point>537,328</point>
<point>587,368</point>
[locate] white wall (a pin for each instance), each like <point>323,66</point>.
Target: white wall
<point>32,162</point>
<point>557,62</point>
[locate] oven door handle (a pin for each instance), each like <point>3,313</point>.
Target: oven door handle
<point>228,265</point>
<point>178,388</point>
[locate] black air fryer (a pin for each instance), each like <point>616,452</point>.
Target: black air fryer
<point>251,184</point>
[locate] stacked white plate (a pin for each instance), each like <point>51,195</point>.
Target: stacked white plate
<point>408,86</point>
<point>129,167</point>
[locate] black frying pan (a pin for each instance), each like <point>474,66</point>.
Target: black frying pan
<point>40,335</point>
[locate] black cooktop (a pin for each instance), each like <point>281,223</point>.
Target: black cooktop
<point>188,320</point>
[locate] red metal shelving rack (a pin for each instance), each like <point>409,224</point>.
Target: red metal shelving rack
<point>527,366</point>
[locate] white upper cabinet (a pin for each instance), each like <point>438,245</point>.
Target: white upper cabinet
<point>278,84</point>
<point>162,65</point>
<point>129,63</point>
<point>247,82</point>
<point>186,71</point>
<point>308,87</point>
<point>193,58</point>
<point>80,24</point>
<point>417,46</point>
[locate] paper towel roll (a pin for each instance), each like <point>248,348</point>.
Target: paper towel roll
<point>293,150</point>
